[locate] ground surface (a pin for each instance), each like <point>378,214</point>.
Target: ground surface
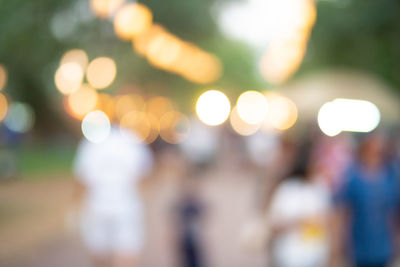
<point>35,230</point>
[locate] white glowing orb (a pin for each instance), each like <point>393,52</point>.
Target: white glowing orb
<point>252,107</point>
<point>213,107</point>
<point>348,115</point>
<point>259,21</point>
<point>328,121</point>
<point>96,126</point>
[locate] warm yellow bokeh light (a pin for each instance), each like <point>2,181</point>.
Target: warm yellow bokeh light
<point>154,129</point>
<point>282,59</point>
<point>303,14</point>
<point>3,77</point>
<point>69,77</point>
<point>82,101</point>
<point>132,20</point>
<point>3,107</point>
<point>159,105</point>
<point>252,107</point>
<point>201,67</point>
<point>101,72</point>
<point>75,56</point>
<point>213,107</point>
<point>164,50</point>
<point>127,103</point>
<point>106,104</point>
<point>287,49</point>
<point>186,57</point>
<point>174,127</point>
<point>240,126</point>
<point>138,122</point>
<point>282,112</point>
<point>105,8</point>
<point>142,41</point>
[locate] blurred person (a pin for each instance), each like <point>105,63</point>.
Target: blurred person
<point>331,157</point>
<point>162,196</point>
<point>108,173</point>
<point>366,207</point>
<point>189,209</point>
<point>9,143</point>
<point>298,217</point>
<point>200,147</point>
<point>190,212</point>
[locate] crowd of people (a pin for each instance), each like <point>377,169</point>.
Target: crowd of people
<point>328,201</point>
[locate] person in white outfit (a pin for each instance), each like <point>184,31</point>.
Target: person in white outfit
<point>298,219</point>
<point>112,226</point>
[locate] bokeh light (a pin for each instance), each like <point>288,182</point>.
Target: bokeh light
<point>138,122</point>
<point>252,107</point>
<point>127,103</point>
<point>3,106</point>
<point>101,72</point>
<point>213,107</point>
<point>141,42</point>
<point>348,115</point>
<point>105,8</point>
<point>106,104</point>
<point>159,105</point>
<point>288,46</point>
<point>205,68</point>
<point>132,20</point>
<point>154,129</point>
<point>164,50</point>
<point>174,127</point>
<point>3,77</point>
<point>357,115</point>
<point>327,120</point>
<point>240,126</point>
<point>69,77</point>
<point>282,112</point>
<point>76,56</point>
<point>82,101</point>
<point>20,117</point>
<point>96,126</point>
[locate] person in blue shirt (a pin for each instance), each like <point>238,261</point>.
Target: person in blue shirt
<point>367,205</point>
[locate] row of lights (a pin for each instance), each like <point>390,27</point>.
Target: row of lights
<point>253,111</point>
<point>134,22</point>
<point>16,116</point>
<point>80,82</point>
<point>286,51</point>
<point>268,111</point>
<point>75,67</point>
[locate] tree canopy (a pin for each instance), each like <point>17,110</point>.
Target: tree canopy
<point>360,34</point>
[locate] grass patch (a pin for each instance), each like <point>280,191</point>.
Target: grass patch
<point>32,161</point>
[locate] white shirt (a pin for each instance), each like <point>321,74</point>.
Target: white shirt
<point>110,171</point>
<point>302,245</point>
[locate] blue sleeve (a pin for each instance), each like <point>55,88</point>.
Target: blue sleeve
<point>395,181</point>
<point>343,194</point>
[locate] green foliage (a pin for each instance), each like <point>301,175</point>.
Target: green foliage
<point>360,34</point>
